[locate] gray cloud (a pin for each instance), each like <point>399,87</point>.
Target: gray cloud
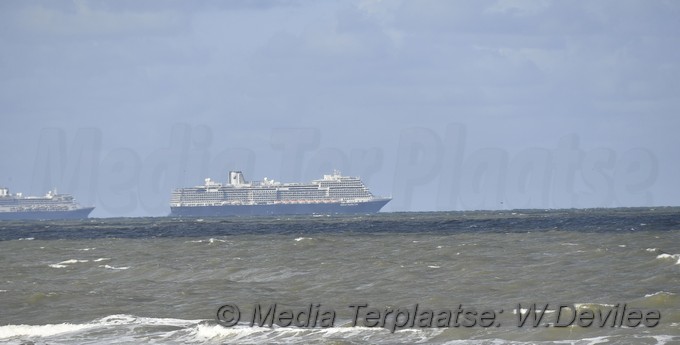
<point>516,74</point>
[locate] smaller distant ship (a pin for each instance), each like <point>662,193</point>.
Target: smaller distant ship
<point>48,207</point>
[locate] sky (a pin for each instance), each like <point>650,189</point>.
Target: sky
<point>442,105</point>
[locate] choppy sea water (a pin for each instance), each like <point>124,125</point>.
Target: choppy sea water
<point>162,280</point>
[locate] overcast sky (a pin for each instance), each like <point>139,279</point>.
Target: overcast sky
<point>443,105</point>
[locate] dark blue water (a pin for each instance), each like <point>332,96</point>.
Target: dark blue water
<point>594,220</point>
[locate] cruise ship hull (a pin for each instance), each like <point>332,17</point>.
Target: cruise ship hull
<point>81,213</point>
<point>279,209</point>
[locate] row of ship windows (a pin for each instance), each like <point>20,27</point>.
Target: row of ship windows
<point>269,190</point>
<point>288,194</point>
<point>25,202</point>
<point>266,194</point>
<point>342,185</point>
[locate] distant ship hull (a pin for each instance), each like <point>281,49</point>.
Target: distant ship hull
<point>81,213</point>
<point>372,206</point>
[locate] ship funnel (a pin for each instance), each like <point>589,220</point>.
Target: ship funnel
<point>4,192</point>
<point>236,178</point>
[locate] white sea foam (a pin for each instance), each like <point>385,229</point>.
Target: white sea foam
<point>652,250</point>
<point>65,263</point>
<point>205,332</point>
<point>27,239</point>
<point>246,334</point>
<point>434,266</point>
<point>72,261</point>
<point>658,293</point>
<point>524,310</point>
<point>597,340</point>
<point>131,329</point>
<point>86,249</point>
<point>302,239</point>
<point>101,259</point>
<point>126,328</point>
<point>208,332</point>
<point>114,268</point>
<point>119,319</point>
<point>588,305</point>
<point>210,240</point>
<point>665,256</point>
<point>12,331</point>
<point>663,339</point>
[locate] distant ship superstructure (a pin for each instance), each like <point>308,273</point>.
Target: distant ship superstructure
<point>331,194</point>
<point>50,206</point>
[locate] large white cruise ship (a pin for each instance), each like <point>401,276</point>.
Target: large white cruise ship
<point>50,206</point>
<point>330,195</point>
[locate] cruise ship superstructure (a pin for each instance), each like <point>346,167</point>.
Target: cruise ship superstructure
<point>50,206</point>
<point>332,194</point>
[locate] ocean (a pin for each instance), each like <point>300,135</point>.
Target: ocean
<point>484,277</point>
